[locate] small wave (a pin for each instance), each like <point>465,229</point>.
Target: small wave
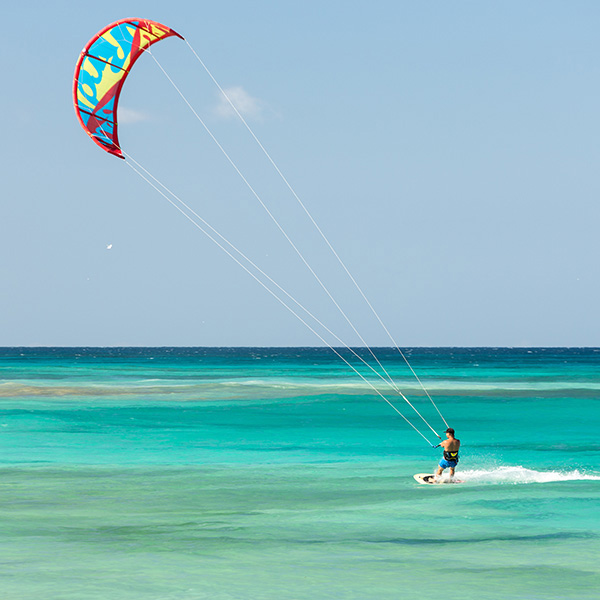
<point>217,387</point>
<point>515,475</point>
<point>13,390</point>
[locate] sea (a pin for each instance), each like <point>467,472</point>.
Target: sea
<point>280,474</point>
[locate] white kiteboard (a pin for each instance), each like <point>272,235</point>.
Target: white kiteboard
<point>428,478</point>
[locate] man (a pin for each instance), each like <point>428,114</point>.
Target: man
<point>450,459</point>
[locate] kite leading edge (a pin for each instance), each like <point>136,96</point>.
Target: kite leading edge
<point>101,71</point>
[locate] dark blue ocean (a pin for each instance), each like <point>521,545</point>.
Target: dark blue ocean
<point>278,473</point>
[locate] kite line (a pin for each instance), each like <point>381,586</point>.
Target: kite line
<point>282,302</point>
<point>96,92</point>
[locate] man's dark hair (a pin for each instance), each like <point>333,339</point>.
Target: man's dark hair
<point>450,430</point>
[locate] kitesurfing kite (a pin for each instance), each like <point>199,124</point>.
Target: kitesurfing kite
<point>101,71</point>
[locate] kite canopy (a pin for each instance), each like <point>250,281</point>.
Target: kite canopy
<point>101,71</point>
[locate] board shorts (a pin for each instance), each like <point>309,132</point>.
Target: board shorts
<point>448,464</point>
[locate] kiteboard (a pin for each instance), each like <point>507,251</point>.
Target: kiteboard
<point>428,478</point>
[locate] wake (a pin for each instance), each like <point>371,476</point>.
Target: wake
<point>516,475</point>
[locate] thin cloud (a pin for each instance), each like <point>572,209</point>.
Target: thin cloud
<point>127,115</point>
<point>246,105</point>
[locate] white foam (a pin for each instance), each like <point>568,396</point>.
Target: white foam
<point>515,475</point>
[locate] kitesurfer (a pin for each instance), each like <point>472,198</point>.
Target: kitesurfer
<point>450,459</point>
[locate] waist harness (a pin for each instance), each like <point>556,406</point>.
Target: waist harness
<point>451,455</point>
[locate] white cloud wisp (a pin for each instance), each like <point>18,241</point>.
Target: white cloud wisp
<point>246,105</point>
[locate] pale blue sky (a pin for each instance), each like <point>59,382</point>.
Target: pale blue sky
<point>450,151</point>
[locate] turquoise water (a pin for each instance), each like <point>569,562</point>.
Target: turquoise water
<point>279,474</point>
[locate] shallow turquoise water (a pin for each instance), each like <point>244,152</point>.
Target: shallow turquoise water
<point>277,473</point>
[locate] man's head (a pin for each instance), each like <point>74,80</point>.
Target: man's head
<point>450,431</point>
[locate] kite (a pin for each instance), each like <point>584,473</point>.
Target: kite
<point>101,71</point>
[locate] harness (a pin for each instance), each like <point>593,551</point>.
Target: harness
<point>451,455</point>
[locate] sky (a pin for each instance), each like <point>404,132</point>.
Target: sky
<point>449,152</point>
